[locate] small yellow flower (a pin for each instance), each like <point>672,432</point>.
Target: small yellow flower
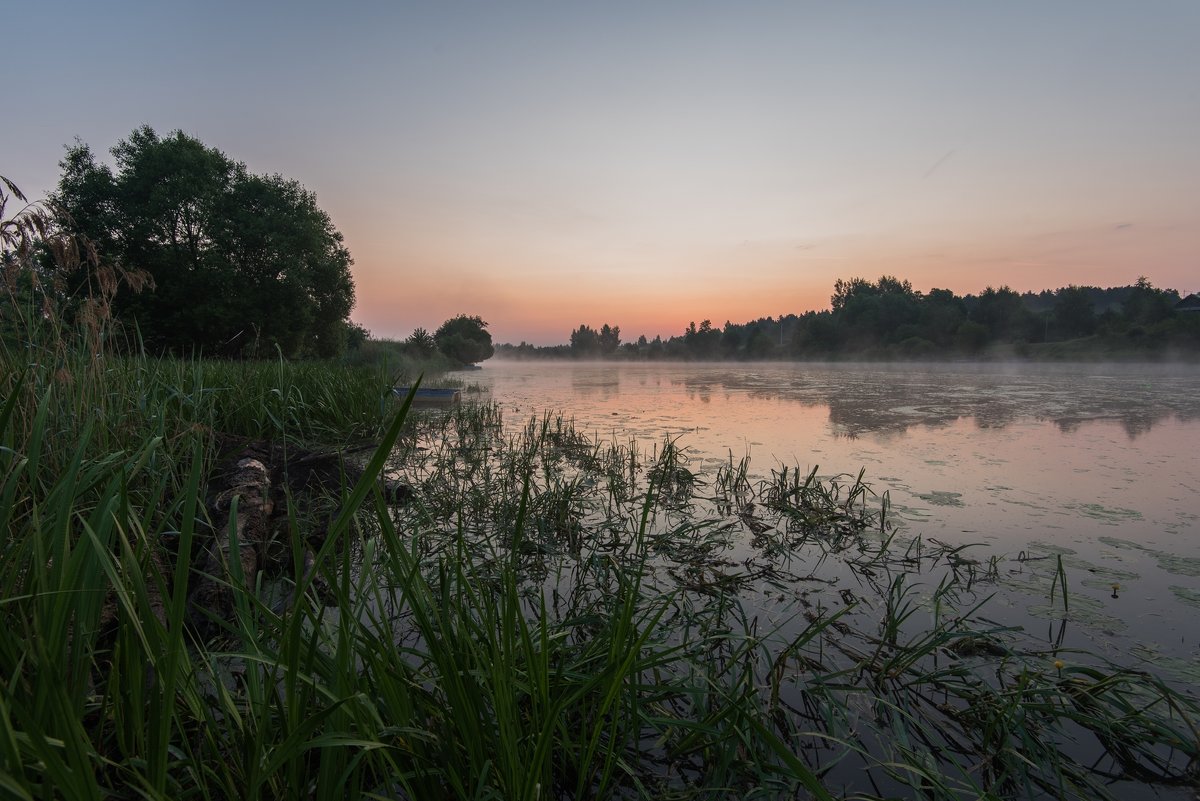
<point>1059,664</point>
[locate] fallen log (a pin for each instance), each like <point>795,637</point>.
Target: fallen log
<point>248,505</point>
<point>241,529</point>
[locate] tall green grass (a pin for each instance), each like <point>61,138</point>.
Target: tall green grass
<point>549,617</point>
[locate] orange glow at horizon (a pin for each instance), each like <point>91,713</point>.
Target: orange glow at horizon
<point>526,296</point>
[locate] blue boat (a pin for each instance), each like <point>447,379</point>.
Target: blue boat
<point>430,397</point>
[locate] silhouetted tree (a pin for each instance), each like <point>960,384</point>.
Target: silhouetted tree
<point>702,342</point>
<point>871,313</point>
<point>464,339</point>
<point>585,342</point>
<point>1146,305</point>
<point>356,335</point>
<point>887,318</point>
<point>971,337</point>
<point>941,314</point>
<point>843,291</point>
<point>1003,314</point>
<point>421,342</point>
<point>760,345</point>
<point>1074,313</point>
<point>609,339</point>
<point>238,259</point>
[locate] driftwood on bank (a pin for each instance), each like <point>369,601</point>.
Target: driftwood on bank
<point>241,528</point>
<point>248,504</point>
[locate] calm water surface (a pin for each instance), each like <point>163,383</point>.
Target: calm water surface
<point>1098,463</point>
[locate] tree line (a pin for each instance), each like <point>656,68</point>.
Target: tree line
<point>213,259</point>
<point>888,319</point>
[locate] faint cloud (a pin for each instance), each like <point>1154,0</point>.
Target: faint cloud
<point>945,157</point>
<point>1119,226</point>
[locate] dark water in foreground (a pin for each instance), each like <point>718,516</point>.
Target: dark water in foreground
<point>1099,464</point>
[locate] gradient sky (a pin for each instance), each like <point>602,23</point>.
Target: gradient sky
<point>647,164</point>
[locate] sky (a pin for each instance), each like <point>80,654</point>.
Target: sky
<point>647,164</point>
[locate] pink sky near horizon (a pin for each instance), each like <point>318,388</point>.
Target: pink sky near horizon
<point>647,165</point>
<point>744,281</point>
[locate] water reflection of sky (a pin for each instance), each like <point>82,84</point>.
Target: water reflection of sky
<point>894,398</point>
<point>1047,439</point>
<point>1100,464</point>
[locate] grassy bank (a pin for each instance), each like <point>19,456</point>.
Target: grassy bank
<point>547,617</point>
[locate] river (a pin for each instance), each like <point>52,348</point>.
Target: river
<point>1097,463</point>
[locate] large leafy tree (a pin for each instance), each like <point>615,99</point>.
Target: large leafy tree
<point>1146,304</point>
<point>609,339</point>
<point>465,339</point>
<point>875,312</point>
<point>585,342</point>
<point>421,342</point>
<point>1004,315</point>
<point>243,263</point>
<point>1074,311</point>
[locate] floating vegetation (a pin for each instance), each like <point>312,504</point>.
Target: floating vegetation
<point>1178,565</point>
<point>941,498</point>
<point>1168,562</point>
<point>1109,516</point>
<point>1188,596</point>
<point>1188,670</point>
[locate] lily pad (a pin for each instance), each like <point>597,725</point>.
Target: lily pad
<point>1189,597</point>
<point>1185,669</point>
<point>1084,611</point>
<point>1108,516</point>
<point>1168,562</point>
<point>1178,565</point>
<point>1126,545</point>
<point>940,498</point>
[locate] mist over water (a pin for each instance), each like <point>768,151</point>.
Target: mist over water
<point>1097,463</point>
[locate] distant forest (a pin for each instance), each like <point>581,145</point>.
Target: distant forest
<point>888,319</point>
